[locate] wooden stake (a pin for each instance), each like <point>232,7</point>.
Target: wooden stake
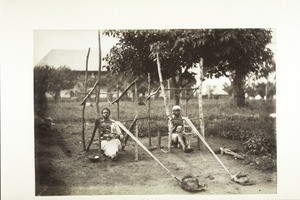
<point>186,107</point>
<point>98,92</point>
<point>136,126</point>
<point>200,102</point>
<point>149,109</point>
<point>154,93</point>
<point>130,129</point>
<point>165,102</point>
<point>99,76</point>
<point>158,139</point>
<point>97,124</point>
<point>136,146</point>
<point>89,94</point>
<point>83,108</point>
<point>169,91</point>
<point>118,105</point>
<point>130,85</point>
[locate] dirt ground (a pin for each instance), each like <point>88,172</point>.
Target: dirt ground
<point>63,169</point>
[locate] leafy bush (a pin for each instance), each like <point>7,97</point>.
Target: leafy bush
<point>258,133</point>
<point>251,124</point>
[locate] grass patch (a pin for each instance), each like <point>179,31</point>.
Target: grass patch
<point>251,124</point>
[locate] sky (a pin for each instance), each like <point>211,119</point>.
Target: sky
<point>46,40</point>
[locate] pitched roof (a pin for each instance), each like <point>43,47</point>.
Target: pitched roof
<point>219,91</point>
<point>74,59</point>
<point>216,90</point>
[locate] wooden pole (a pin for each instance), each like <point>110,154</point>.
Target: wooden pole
<point>89,94</point>
<point>98,92</point>
<point>200,102</point>
<point>136,126</point>
<point>123,93</point>
<point>99,76</point>
<point>158,140</point>
<point>187,101</point>
<point>149,109</point>
<point>86,70</point>
<point>169,91</point>
<point>83,108</point>
<point>130,129</point>
<point>186,107</point>
<point>118,105</point>
<point>154,93</point>
<point>136,146</point>
<point>97,123</point>
<point>165,102</point>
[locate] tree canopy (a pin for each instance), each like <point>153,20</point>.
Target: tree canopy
<point>49,79</point>
<point>226,52</point>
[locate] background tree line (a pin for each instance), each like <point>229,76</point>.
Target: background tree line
<point>232,53</point>
<point>49,79</point>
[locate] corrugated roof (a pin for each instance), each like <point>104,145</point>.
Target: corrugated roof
<point>216,90</point>
<point>74,59</point>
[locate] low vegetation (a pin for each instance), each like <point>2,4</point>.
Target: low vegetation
<point>250,125</point>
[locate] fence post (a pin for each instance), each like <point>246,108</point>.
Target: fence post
<point>165,102</point>
<point>83,108</point>
<point>149,108</point>
<point>136,126</point>
<point>200,102</point>
<point>98,92</point>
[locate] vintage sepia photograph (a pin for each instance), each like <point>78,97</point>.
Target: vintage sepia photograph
<point>140,100</point>
<point>177,111</point>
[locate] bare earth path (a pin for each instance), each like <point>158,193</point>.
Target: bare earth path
<point>62,168</point>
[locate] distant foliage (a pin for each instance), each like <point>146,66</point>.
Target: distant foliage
<point>226,52</point>
<point>42,76</point>
<point>250,125</point>
<point>49,79</point>
<point>260,89</point>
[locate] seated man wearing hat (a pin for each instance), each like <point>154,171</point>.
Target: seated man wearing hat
<point>178,131</point>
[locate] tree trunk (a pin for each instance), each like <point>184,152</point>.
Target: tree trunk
<point>40,102</point>
<point>177,85</point>
<point>238,88</point>
<point>177,97</point>
<point>266,91</point>
<point>57,97</point>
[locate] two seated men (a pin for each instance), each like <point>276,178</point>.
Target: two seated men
<point>111,134</point>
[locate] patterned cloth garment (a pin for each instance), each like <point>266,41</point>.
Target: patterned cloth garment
<point>109,130</point>
<point>177,125</point>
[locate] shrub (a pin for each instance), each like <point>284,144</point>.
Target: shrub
<point>220,118</point>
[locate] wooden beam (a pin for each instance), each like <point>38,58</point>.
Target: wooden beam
<point>89,94</point>
<point>98,95</point>
<point>130,129</point>
<point>129,120</point>
<point>181,89</point>
<point>195,89</point>
<point>149,109</point>
<point>136,126</point>
<point>165,101</point>
<point>130,85</point>
<point>83,108</point>
<point>154,93</point>
<point>97,124</point>
<point>200,102</point>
